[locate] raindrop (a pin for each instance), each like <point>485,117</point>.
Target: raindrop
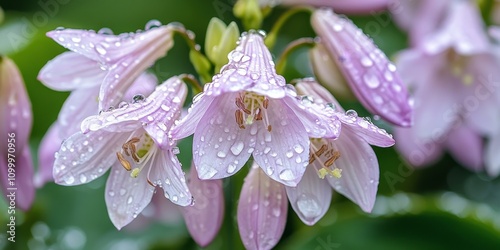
<point>221,154</point>
<point>371,80</point>
<point>289,154</point>
<point>237,148</point>
<point>308,206</point>
<point>111,193</point>
<point>367,62</point>
<point>287,175</point>
<point>276,212</point>
<point>83,178</point>
<point>138,98</point>
<point>298,148</point>
<point>270,170</point>
<point>231,168</point>
<point>152,24</point>
<point>69,180</point>
<point>351,113</point>
<point>130,199</point>
<point>100,49</point>
<point>105,31</point>
<point>267,137</point>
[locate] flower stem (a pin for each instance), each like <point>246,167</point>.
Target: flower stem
<point>197,87</point>
<point>271,36</point>
<point>291,47</point>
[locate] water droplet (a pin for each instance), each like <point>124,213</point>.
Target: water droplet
<point>138,98</point>
<point>69,180</point>
<point>289,154</point>
<point>83,178</point>
<point>111,193</point>
<point>371,80</point>
<point>351,113</point>
<point>270,170</point>
<point>105,31</point>
<point>210,173</point>
<point>287,175</point>
<point>100,49</point>
<point>221,154</point>
<point>231,168</point>
<point>123,191</point>
<point>308,206</point>
<point>367,62</point>
<point>152,24</point>
<point>276,212</point>
<point>298,148</point>
<point>237,148</point>
<point>267,136</point>
<point>130,199</point>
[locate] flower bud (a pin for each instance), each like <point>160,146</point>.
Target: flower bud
<point>220,40</point>
<point>250,13</point>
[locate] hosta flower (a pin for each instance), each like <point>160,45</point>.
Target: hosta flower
<point>247,110</point>
<point>82,76</point>
<point>124,56</point>
<point>347,164</point>
<point>133,140</point>
<point>454,75</point>
<point>342,6</point>
<point>372,77</point>
<point>16,167</point>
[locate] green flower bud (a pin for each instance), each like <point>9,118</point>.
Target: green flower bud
<point>220,40</point>
<point>201,64</point>
<point>249,12</point>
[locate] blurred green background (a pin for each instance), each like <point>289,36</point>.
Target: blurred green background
<point>443,207</point>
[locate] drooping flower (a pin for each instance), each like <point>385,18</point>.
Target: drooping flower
<point>134,141</point>
<point>82,76</point>
<point>453,73</point>
<point>347,164</point>
<point>125,57</point>
<point>341,6</point>
<point>371,76</point>
<point>248,110</point>
<point>16,166</point>
<point>262,210</point>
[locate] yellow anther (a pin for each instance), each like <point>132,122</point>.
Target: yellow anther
<point>322,173</point>
<point>337,173</point>
<point>125,163</point>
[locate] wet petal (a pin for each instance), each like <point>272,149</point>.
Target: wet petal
<point>144,85</point>
<point>250,68</point>
<point>262,211</point>
<point>467,147</point>
<point>360,173</point>
<point>188,124</point>
<point>344,6</point>
<point>372,77</point>
<point>366,130</point>
<point>156,113</point>
<point>70,71</point>
<point>20,187</point>
<point>205,217</point>
<point>126,196</point>
<point>417,151</point>
<point>80,104</point>
<point>220,147</point>
<point>311,198</point>
<point>84,157</point>
<point>166,172</point>
<point>282,156</point>
<point>49,145</point>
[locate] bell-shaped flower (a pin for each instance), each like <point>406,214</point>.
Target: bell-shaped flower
<point>124,57</point>
<point>454,75</point>
<point>204,218</point>
<point>16,166</point>
<point>347,164</point>
<point>82,76</point>
<point>134,141</point>
<point>248,110</point>
<point>262,210</point>
<point>341,6</point>
<point>372,77</point>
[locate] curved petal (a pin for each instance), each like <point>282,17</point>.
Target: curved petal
<point>204,218</point>
<point>84,157</point>
<point>366,130</point>
<point>417,151</point>
<point>70,71</point>
<point>220,147</point>
<point>262,211</point>
<point>166,172</point>
<point>250,68</point>
<point>372,77</point>
<point>344,6</point>
<point>467,147</point>
<point>360,173</point>
<point>187,125</point>
<point>283,152</point>
<point>49,145</point>
<point>80,104</point>
<point>144,85</point>
<point>311,198</point>
<point>492,157</point>
<point>126,196</point>
<point>18,188</point>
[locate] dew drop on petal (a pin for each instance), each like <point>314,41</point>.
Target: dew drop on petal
<point>287,175</point>
<point>351,113</point>
<point>231,168</point>
<point>308,206</point>
<point>237,148</point>
<point>221,154</point>
<point>298,148</point>
<point>371,80</point>
<point>152,24</point>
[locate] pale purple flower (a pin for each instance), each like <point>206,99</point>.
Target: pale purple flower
<point>371,76</point>
<point>262,210</point>
<point>16,166</point>
<point>342,6</point>
<point>82,76</point>
<point>248,110</point>
<point>124,56</point>
<point>204,218</point>
<point>453,74</point>
<point>134,141</point>
<point>347,164</point>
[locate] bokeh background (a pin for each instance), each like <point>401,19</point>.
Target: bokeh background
<point>443,207</point>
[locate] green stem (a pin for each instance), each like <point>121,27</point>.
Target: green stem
<point>271,37</point>
<point>197,87</point>
<point>293,46</point>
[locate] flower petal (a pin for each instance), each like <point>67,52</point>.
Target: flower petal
<point>262,211</point>
<point>204,218</point>
<point>344,6</point>
<point>467,147</point>
<point>24,192</point>
<point>372,77</point>
<point>84,157</point>
<point>283,152</point>
<point>311,198</point>
<point>360,173</point>
<point>250,68</point>
<point>220,147</point>
<point>166,172</point>
<point>187,125</point>
<point>126,196</point>
<point>49,146</point>
<point>156,113</point>
<point>70,71</point>
<point>417,151</point>
<point>366,130</point>
<point>80,104</point>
